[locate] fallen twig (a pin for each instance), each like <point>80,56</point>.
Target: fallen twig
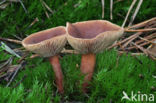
<point>47,14</point>
<point>3,6</point>
<point>132,5</point>
<point>48,8</point>
<point>3,1</point>
<point>139,25</point>
<point>8,62</point>
<point>17,69</point>
<point>120,42</point>
<point>35,20</point>
<point>147,37</point>
<point>69,51</point>
<point>44,8</point>
<point>22,58</point>
<point>34,56</point>
<point>9,50</point>
<point>11,40</point>
<point>144,50</point>
<point>111,9</point>
<point>103,3</point>
<point>135,13</point>
<point>140,30</point>
<point>23,6</point>
<point>130,40</point>
<point>146,40</point>
<point>143,44</point>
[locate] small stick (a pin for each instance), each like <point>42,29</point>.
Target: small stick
<point>3,67</point>
<point>48,8</point>
<point>14,35</point>
<point>120,42</point>
<point>111,9</point>
<point>144,51</point>
<point>137,54</point>
<point>146,40</point>
<point>34,21</point>
<point>135,13</point>
<point>130,40</point>
<point>47,15</point>
<point>146,37</point>
<point>2,2</point>
<point>142,23</point>
<point>140,30</point>
<point>141,48</point>
<point>124,40</point>
<point>69,51</point>
<point>9,50</point>
<point>22,58</point>
<point>17,69</point>
<point>150,24</point>
<point>11,40</point>
<point>3,6</point>
<point>23,6</point>
<point>34,56</point>
<point>17,49</point>
<point>143,44</point>
<point>131,7</point>
<point>103,3</point>
<point>44,7</point>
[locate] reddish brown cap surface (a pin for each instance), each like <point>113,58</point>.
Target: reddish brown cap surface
<point>92,36</point>
<point>46,43</point>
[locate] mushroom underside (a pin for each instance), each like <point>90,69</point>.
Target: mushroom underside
<point>90,29</point>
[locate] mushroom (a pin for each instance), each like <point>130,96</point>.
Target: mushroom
<point>89,38</point>
<point>49,43</point>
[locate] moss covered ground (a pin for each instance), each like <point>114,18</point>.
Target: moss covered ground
<point>113,74</point>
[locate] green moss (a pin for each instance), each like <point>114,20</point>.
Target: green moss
<point>109,80</point>
<point>112,74</point>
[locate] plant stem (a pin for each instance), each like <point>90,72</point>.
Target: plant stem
<point>87,68</point>
<point>58,72</point>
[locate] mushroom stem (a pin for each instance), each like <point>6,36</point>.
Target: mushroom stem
<point>58,72</point>
<point>87,68</point>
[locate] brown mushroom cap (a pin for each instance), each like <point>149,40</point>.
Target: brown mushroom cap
<point>92,36</point>
<point>46,43</point>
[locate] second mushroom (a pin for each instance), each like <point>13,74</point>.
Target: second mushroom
<point>89,38</point>
<point>49,43</point>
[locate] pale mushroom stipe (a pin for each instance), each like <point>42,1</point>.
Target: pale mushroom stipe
<point>89,38</point>
<point>49,43</point>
